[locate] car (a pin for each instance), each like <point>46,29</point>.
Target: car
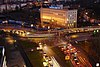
<point>44,54</point>
<point>47,58</point>
<point>51,65</point>
<point>50,62</point>
<point>77,62</point>
<point>75,58</point>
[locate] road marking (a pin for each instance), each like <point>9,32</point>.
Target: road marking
<point>55,63</point>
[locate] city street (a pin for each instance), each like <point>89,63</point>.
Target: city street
<point>13,54</point>
<point>50,33</point>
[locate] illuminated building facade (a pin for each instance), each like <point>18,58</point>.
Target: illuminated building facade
<point>13,1</point>
<point>58,18</point>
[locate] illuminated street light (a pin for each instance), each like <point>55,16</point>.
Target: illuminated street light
<point>97,65</point>
<point>14,40</point>
<point>28,33</point>
<point>23,34</point>
<point>43,26</point>
<point>52,20</point>
<point>74,21</point>
<point>48,27</point>
<point>86,13</point>
<point>5,21</point>
<point>23,24</point>
<point>97,30</point>
<point>69,44</point>
<point>71,49</point>
<point>45,63</point>
<point>67,19</point>
<point>31,25</point>
<point>24,65</point>
<point>31,49</point>
<point>40,43</point>
<point>99,24</point>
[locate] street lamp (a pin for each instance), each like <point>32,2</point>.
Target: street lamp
<point>31,25</point>
<point>86,13</point>
<point>43,26</point>
<point>97,65</point>
<point>48,27</point>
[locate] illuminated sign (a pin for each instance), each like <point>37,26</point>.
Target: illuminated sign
<point>55,7</point>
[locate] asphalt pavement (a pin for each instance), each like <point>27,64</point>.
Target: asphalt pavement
<point>14,58</point>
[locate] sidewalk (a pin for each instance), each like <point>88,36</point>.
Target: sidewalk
<point>14,58</point>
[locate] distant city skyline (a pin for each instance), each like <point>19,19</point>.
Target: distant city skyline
<point>87,1</point>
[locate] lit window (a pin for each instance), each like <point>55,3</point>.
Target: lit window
<point>68,25</point>
<point>70,15</point>
<point>67,19</point>
<point>74,21</point>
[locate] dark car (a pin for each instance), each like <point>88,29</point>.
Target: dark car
<point>77,62</point>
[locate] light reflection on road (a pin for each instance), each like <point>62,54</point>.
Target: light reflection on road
<point>55,63</point>
<point>50,53</point>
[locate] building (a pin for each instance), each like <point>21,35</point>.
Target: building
<point>1,2</point>
<point>13,1</point>
<point>58,18</point>
<point>2,57</point>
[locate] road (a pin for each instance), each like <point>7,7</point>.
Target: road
<point>84,57</point>
<point>23,54</point>
<point>84,62</point>
<point>56,41</point>
<point>50,53</point>
<point>79,37</point>
<point>13,54</point>
<point>89,55</point>
<point>55,63</point>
